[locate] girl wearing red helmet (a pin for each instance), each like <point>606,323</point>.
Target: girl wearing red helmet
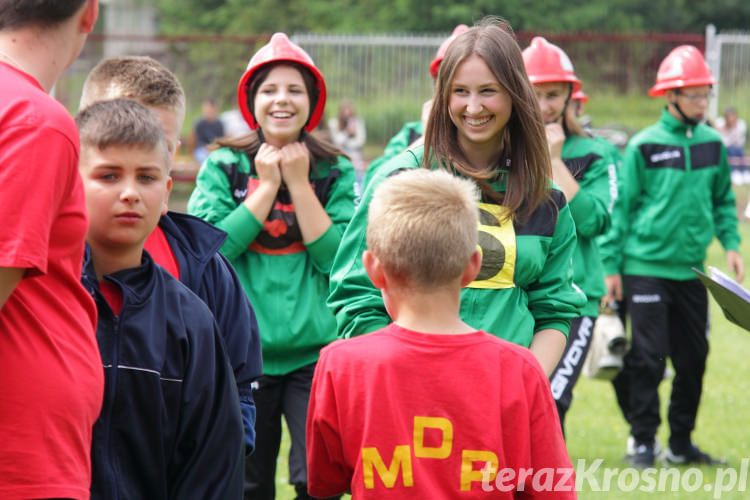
<point>586,172</point>
<point>485,125</point>
<point>284,198</point>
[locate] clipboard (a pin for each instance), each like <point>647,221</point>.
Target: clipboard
<point>733,298</point>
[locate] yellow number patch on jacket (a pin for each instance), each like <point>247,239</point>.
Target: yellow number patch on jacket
<point>497,243</point>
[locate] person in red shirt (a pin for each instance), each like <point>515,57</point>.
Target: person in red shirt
<point>51,378</point>
<point>429,407</point>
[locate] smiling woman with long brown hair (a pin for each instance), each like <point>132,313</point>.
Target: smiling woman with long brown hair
<point>485,124</point>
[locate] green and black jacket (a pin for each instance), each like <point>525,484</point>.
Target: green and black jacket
<point>525,283</point>
<point>285,278</point>
<point>675,195</point>
<point>592,165</point>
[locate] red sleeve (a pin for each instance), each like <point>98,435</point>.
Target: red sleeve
<point>327,472</point>
<point>548,450</point>
<point>38,166</point>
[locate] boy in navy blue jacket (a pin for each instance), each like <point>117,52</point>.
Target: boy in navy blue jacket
<point>187,246</point>
<point>170,425</point>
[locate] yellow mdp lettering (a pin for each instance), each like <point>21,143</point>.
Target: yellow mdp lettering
<point>469,475</point>
<point>401,460</point>
<point>445,426</point>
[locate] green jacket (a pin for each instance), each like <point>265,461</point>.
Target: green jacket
<point>592,165</point>
<point>410,132</point>
<point>675,196</point>
<point>525,284</point>
<point>285,279</point>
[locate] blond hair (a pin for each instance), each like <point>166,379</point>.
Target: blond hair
<point>422,226</point>
<point>143,79</point>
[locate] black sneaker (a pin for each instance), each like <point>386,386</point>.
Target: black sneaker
<point>644,456</point>
<point>693,456</point>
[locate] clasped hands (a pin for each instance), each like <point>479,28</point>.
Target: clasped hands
<point>290,164</point>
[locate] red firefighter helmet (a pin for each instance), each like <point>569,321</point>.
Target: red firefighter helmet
<point>579,95</point>
<point>683,67</point>
<point>546,62</point>
<point>435,64</point>
<point>280,48</point>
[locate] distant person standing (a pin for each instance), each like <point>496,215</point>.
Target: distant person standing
<point>733,132</point>
<point>234,124</point>
<point>51,375</point>
<point>206,129</point>
<point>674,198</point>
<point>348,133</point>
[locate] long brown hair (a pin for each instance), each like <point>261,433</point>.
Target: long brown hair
<point>525,147</point>
<point>320,149</point>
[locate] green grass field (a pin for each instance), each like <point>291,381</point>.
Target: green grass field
<point>596,430</point>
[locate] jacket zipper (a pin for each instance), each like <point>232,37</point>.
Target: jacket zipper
<point>112,398</point>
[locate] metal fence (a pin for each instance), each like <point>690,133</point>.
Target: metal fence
<point>385,76</point>
<point>728,56</point>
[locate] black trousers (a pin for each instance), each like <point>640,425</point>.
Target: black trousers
<point>668,319</point>
<point>286,395</point>
<point>568,369</point>
<point>621,382</point>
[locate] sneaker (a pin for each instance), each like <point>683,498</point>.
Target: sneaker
<point>693,456</point>
<point>737,178</point>
<point>644,456</point>
<point>746,176</point>
<point>630,449</point>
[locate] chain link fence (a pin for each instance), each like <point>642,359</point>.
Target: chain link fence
<point>385,76</point>
<point>728,56</point>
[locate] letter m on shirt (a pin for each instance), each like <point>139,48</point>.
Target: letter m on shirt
<point>401,460</point>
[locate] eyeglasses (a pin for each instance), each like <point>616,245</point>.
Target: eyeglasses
<point>696,97</point>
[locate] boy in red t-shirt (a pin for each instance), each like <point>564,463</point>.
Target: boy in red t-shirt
<point>429,407</point>
<point>51,379</point>
<point>170,426</point>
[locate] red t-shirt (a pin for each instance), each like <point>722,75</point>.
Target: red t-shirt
<point>51,376</point>
<point>113,295</point>
<point>157,245</point>
<point>401,414</point>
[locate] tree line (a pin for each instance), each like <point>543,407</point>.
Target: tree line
<point>241,17</point>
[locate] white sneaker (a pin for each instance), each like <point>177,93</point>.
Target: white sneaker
<point>747,210</point>
<point>737,178</point>
<point>746,176</point>
<point>630,449</point>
